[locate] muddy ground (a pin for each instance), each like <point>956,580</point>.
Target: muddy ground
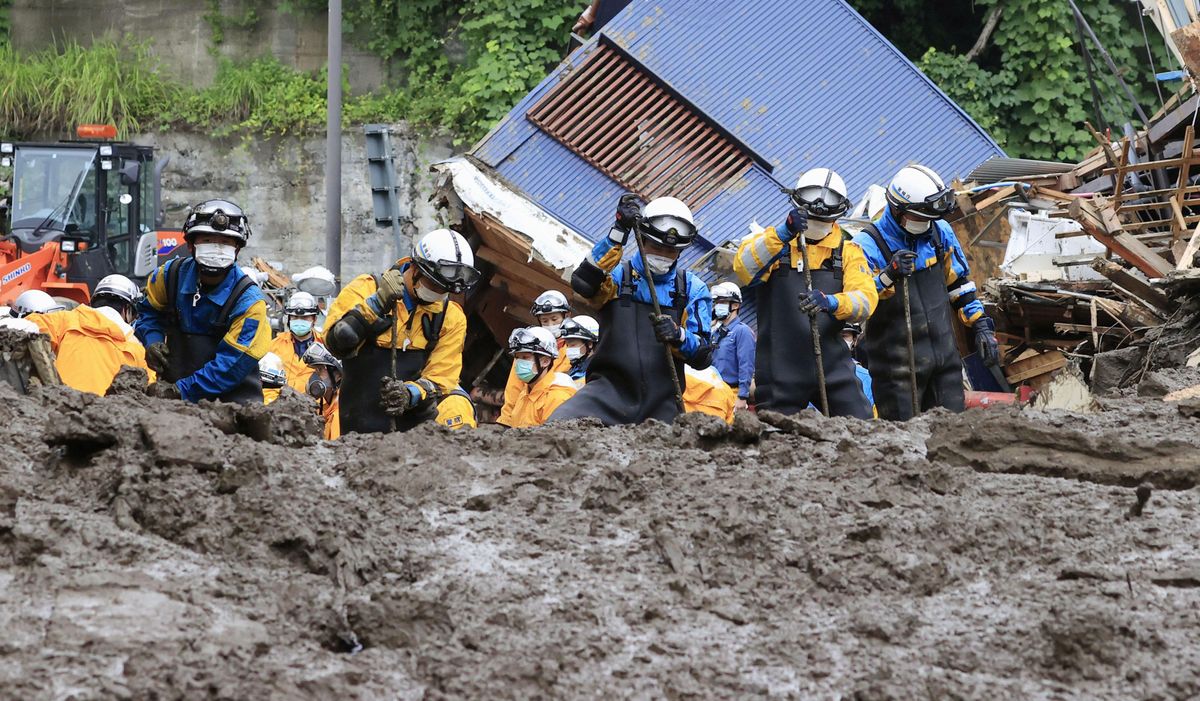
<point>153,550</point>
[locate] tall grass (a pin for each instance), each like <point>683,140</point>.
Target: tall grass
<point>107,83</point>
<point>52,91</point>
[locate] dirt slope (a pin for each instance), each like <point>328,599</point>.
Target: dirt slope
<point>150,549</point>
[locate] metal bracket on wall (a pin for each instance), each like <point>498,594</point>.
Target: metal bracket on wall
<point>381,169</point>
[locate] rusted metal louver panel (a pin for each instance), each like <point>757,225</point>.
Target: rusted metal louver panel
<point>615,117</point>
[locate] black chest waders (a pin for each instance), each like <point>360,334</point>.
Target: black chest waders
<point>785,359</point>
<point>628,378</point>
<point>936,364</point>
<point>362,379</point>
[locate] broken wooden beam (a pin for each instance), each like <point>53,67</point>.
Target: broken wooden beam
<point>1138,290</point>
<point>1098,218</point>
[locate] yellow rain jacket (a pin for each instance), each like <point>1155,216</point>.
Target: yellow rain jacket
<point>515,385</point>
<point>761,253</point>
<point>297,372</point>
<point>333,425</point>
<point>90,346</point>
<point>444,365</point>
<point>457,412</point>
<point>533,404</point>
<point>708,394</point>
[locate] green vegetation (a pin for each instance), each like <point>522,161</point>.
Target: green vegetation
<point>462,65</point>
<point>122,84</point>
<point>1026,84</point>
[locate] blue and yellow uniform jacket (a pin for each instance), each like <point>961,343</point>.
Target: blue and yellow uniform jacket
<point>238,353</point>
<point>954,262</point>
<point>697,315</point>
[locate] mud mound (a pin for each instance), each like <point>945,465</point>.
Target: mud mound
<point>153,549</point>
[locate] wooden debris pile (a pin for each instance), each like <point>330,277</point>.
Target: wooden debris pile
<point>1138,198</point>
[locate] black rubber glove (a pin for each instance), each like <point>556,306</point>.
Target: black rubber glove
<point>985,341</point>
<point>164,390</point>
<point>158,357</point>
<point>666,330</point>
<point>904,263</point>
<point>796,224</point>
<point>628,211</point>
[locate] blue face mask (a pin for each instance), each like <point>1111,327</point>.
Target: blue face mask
<point>526,370</point>
<point>300,327</point>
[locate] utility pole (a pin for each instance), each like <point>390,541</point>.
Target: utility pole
<point>333,145</point>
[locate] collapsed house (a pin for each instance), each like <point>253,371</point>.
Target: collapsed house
<point>695,99</point>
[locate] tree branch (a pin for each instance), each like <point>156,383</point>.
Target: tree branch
<point>989,26</point>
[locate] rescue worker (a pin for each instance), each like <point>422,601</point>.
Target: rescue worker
<point>910,242</point>
<point>34,302</point>
<point>850,335</point>
<point>535,351</point>
<point>628,380</point>
<point>92,341</point>
<point>300,315</point>
<point>550,310</point>
<point>707,393</point>
<point>324,384</point>
<point>456,410</point>
<point>273,376</point>
<point>203,321</point>
<point>579,337</point>
<point>400,338</point>
<point>785,364</point>
<point>733,342</point>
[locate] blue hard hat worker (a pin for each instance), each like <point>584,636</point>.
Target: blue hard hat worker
<point>629,376</point>
<point>912,244</point>
<point>204,321</point>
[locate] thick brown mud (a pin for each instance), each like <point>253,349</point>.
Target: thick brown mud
<point>151,549</point>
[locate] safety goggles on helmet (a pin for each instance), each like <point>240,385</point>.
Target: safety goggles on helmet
<point>451,275</point>
<point>271,379</point>
<point>526,341</point>
<point>217,217</point>
<point>669,231</point>
<point>936,206</point>
<point>575,330</point>
<point>301,308</point>
<point>855,329</point>
<point>821,202</point>
<point>318,355</point>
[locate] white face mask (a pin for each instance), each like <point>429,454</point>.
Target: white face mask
<point>574,353</point>
<point>658,265</point>
<point>818,230</point>
<point>428,296</point>
<point>215,255</point>
<point>721,311</point>
<point>917,226</point>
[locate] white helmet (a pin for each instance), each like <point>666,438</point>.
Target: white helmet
<point>445,257</point>
<point>35,302</point>
<point>550,302</point>
<point>727,290</point>
<point>271,372</point>
<point>117,286</point>
<point>668,221</point>
<point>822,193</point>
<point>919,191</point>
<point>317,280</point>
<point>583,328</point>
<point>534,339</point>
<point>301,304</point>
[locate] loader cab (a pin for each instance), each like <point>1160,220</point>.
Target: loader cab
<point>98,200</point>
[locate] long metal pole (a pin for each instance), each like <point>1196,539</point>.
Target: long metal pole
<point>333,144</point>
<point>912,355</point>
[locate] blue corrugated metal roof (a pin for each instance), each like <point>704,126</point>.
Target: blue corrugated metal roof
<point>843,98</point>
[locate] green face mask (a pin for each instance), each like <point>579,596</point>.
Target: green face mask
<point>526,370</point>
